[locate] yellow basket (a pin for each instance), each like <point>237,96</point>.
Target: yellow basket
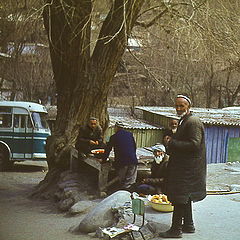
<point>161,207</point>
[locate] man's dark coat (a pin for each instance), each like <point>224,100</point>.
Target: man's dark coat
<point>187,163</point>
<point>85,135</point>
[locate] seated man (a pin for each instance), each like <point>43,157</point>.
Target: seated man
<point>90,137</point>
<point>155,184</point>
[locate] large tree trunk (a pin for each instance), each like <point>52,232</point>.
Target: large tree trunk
<point>68,27</point>
<point>82,81</point>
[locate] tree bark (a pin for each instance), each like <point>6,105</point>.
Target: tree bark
<point>209,88</point>
<point>82,81</point>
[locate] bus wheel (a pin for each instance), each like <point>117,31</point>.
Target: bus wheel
<point>5,164</point>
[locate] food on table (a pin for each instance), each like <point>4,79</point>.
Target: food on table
<point>97,151</point>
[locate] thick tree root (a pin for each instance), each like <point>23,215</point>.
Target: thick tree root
<point>66,188</point>
<point>48,185</point>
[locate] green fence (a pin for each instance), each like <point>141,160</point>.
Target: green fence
<point>143,137</point>
<point>233,149</point>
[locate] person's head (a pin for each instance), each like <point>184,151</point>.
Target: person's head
<point>118,126</point>
<point>158,152</point>
<point>93,122</point>
<point>182,105</point>
<point>173,124</point>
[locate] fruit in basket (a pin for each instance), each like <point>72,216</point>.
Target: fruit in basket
<point>160,203</point>
<point>161,198</point>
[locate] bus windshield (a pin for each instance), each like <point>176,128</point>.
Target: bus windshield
<point>39,120</point>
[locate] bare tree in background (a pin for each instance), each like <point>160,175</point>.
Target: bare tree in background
<point>193,51</point>
<point>26,63</point>
<point>84,71</point>
<point>86,48</point>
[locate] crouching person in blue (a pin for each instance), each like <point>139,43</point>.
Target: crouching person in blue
<point>125,160</point>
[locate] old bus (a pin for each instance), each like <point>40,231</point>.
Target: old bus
<point>23,132</point>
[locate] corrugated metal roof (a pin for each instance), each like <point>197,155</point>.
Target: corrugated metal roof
<point>119,111</point>
<point>123,114</point>
<point>209,116</point>
<point>131,123</point>
<point>115,115</point>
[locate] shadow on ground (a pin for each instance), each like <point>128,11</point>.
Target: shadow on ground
<point>23,167</point>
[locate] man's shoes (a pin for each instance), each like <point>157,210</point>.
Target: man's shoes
<point>171,233</point>
<point>188,228</point>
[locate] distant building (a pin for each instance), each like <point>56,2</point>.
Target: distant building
<point>145,134</point>
<point>222,129</point>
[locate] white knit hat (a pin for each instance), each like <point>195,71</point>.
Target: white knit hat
<point>159,147</point>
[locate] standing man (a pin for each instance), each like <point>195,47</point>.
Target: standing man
<point>90,137</point>
<point>186,179</point>
<point>126,161</point>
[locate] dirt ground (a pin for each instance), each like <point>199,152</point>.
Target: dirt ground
<point>22,218</point>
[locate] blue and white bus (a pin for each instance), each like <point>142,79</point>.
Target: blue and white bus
<point>23,132</point>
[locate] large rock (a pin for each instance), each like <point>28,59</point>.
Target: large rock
<point>102,215</point>
<point>82,207</point>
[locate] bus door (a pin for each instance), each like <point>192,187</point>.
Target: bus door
<point>41,132</point>
<point>6,126</point>
<point>22,135</point>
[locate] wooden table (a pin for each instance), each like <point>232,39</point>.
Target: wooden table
<point>102,168</point>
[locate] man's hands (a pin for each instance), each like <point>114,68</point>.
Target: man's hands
<point>93,142</point>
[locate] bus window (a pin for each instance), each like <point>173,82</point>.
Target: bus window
<point>19,121</point>
<point>29,122</point>
<point>23,121</point>
<point>39,120</point>
<point>5,120</point>
<point>16,121</point>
